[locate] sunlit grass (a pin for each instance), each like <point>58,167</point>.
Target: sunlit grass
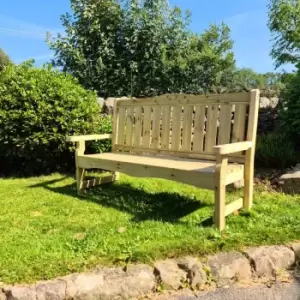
<point>47,230</point>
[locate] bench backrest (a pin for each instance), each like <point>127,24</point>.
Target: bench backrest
<point>185,125</point>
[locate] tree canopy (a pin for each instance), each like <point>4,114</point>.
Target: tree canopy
<point>284,23</point>
<point>4,59</point>
<point>140,47</point>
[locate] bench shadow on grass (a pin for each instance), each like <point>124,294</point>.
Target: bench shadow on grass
<point>166,207</point>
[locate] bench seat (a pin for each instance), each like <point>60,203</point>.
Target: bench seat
<point>199,173</point>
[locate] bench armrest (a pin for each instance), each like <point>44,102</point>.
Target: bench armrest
<point>232,148</point>
<point>79,138</point>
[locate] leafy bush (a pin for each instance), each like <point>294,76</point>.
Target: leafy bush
<point>290,114</point>
<point>275,150</point>
<point>38,108</point>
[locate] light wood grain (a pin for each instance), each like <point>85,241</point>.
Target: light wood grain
<point>129,126</point>
<point>156,127</point>
<point>121,125</point>
<point>199,128</point>
<point>137,126</point>
<point>211,132</point>
<point>250,154</point>
<point>232,148</point>
<point>238,132</point>
<point>78,138</point>
<point>234,206</point>
<point>147,127</point>
<point>176,128</point>
<point>187,128</point>
<point>165,133</point>
<point>187,99</point>
<point>225,124</point>
<point>115,126</point>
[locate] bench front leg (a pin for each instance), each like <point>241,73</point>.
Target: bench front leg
<point>80,172</point>
<point>220,191</point>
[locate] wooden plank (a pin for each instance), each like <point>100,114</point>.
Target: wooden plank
<point>115,125</point>
<point>225,124</point>
<point>129,126</point>
<point>121,125</point>
<point>176,127</point>
<point>91,137</point>
<point>238,132</point>
<point>146,127</point>
<point>220,191</point>
<point>199,128</point>
<point>234,206</point>
<point>80,172</point>
<point>179,153</point>
<point>156,127</point>
<point>98,181</point>
<point>187,127</point>
<point>165,133</point>
<point>137,126</point>
<point>187,99</point>
<point>211,131</point>
<point>232,148</point>
<point>195,178</point>
<point>250,154</point>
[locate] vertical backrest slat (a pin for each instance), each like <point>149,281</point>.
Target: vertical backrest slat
<point>211,130</point>
<point>147,127</point>
<point>155,127</point>
<point>129,126</point>
<point>199,128</point>
<point>253,115</point>
<point>137,126</point>
<point>239,124</point>
<point>165,130</point>
<point>176,127</point>
<point>121,125</point>
<point>225,124</point>
<point>115,125</point>
<point>187,127</point>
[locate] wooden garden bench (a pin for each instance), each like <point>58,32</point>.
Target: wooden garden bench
<point>204,141</point>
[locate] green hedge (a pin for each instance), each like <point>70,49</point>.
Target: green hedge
<point>38,108</point>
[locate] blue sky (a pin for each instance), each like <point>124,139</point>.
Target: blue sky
<point>24,23</point>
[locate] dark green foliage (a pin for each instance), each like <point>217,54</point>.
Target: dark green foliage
<point>140,48</point>
<point>284,24</point>
<point>275,150</point>
<point>4,60</point>
<point>291,112</point>
<point>38,108</point>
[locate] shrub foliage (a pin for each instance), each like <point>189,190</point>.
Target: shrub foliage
<point>38,108</point>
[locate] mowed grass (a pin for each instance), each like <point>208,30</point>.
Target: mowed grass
<point>47,230</point>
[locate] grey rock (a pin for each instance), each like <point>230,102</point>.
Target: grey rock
<point>228,267</point>
<point>51,290</point>
<point>296,249</point>
<point>270,259</point>
<point>268,102</point>
<point>290,182</point>
<point>109,102</point>
<point>20,293</point>
<point>108,284</point>
<point>195,271</point>
<point>170,274</point>
<point>100,101</point>
<point>84,286</point>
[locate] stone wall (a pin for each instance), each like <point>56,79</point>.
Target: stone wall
<point>268,115</point>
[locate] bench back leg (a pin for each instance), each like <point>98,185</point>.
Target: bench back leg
<point>220,192</point>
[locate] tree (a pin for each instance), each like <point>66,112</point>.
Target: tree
<point>139,48</point>
<point>4,59</point>
<point>284,23</point>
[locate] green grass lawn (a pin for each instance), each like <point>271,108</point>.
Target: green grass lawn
<point>47,230</point>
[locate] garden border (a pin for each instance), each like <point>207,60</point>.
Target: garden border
<point>222,269</point>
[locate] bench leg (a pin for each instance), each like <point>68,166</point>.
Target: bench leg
<point>249,180</point>
<point>220,197</point>
<point>80,175</point>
